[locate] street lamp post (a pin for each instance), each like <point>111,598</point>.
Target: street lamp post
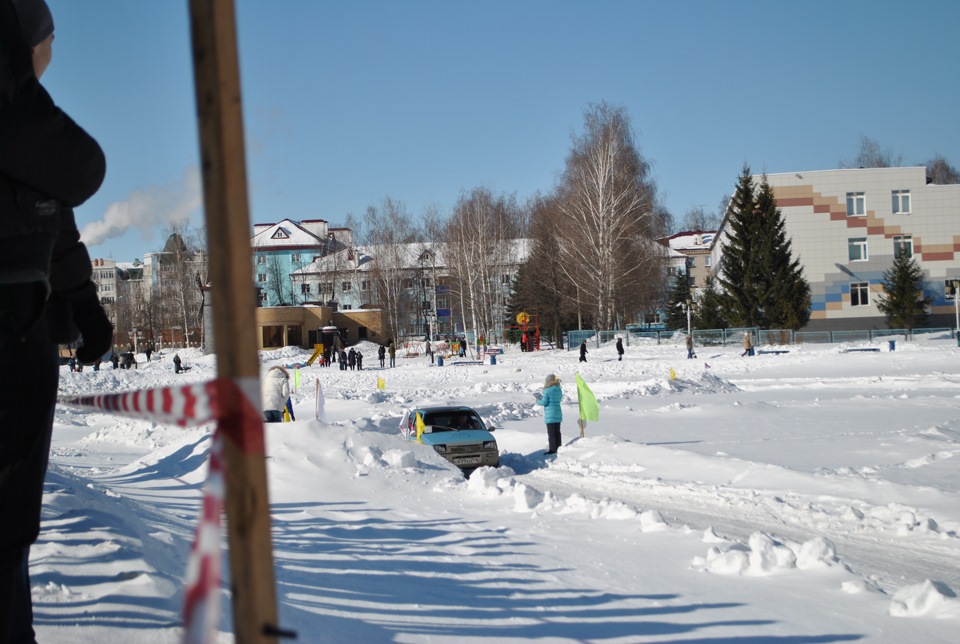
<point>956,308</point>
<point>688,306</point>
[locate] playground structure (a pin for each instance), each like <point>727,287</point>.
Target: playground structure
<point>526,331</point>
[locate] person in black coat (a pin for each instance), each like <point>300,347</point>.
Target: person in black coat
<point>382,354</point>
<point>48,166</point>
<point>583,351</point>
<point>619,349</point>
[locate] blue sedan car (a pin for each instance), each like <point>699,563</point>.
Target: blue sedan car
<point>456,432</point>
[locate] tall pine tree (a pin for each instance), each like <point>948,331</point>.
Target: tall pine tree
<point>709,313</point>
<point>740,275</point>
<point>763,285</point>
<point>679,296</point>
<point>786,297</point>
<point>904,303</point>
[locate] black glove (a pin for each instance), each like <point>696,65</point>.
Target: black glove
<point>95,329</point>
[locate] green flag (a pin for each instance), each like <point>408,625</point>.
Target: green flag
<point>589,409</point>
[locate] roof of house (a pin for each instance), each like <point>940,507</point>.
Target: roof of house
<point>284,235</point>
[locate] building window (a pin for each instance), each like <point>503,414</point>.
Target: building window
<point>505,279</point>
<point>263,296</point>
<point>262,277</point>
<point>693,281</point>
<point>295,258</point>
<point>902,244</point>
<point>365,285</point>
<point>856,204</point>
<point>347,307</point>
<point>860,294</point>
<point>950,289</point>
<point>706,261</point>
<point>857,248</point>
<point>900,201</point>
<point>305,289</point>
<point>261,259</point>
<point>345,286</point>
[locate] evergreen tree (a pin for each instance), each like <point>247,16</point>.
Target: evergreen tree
<point>739,275</point>
<point>763,285</point>
<point>904,303</point>
<point>679,296</point>
<point>786,297</point>
<point>709,313</point>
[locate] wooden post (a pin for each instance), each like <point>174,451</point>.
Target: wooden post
<point>220,120</point>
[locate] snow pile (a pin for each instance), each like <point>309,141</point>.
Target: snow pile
<point>930,598</point>
<point>764,556</point>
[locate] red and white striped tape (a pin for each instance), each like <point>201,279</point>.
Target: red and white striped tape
<point>186,406</point>
<point>201,605</point>
<point>220,400</point>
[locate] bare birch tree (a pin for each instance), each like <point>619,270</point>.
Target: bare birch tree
<point>390,232</point>
<point>607,214</point>
<point>478,245</point>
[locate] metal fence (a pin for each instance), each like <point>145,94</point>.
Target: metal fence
<point>725,337</point>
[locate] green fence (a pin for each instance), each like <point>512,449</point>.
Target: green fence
<point>734,337</point>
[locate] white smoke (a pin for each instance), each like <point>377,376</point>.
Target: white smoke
<point>147,209</point>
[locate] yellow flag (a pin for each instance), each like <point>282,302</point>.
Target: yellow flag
<point>589,408</point>
<point>381,383</point>
<point>673,374</point>
<point>420,428</point>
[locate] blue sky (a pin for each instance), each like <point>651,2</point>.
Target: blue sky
<point>347,103</point>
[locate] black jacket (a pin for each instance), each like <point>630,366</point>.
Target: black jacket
<point>48,166</point>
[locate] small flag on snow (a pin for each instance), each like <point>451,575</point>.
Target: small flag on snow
<point>706,366</point>
<point>321,404</point>
<point>296,379</point>
<point>673,374</point>
<point>381,384</point>
<point>420,428</point>
<point>589,409</point>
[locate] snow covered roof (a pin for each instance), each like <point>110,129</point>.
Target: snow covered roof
<point>286,234</point>
<point>690,240</point>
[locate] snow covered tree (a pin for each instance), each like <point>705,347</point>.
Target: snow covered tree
<point>904,303</point>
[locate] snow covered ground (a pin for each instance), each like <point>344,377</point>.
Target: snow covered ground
<point>809,496</point>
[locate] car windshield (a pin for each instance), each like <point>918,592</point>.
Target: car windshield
<point>453,421</point>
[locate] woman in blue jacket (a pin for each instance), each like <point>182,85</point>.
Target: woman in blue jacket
<point>553,416</point>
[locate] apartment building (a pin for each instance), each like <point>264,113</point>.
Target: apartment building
<point>847,226</point>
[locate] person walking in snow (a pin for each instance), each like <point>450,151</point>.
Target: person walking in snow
<point>48,167</point>
<point>392,350</point>
<point>177,365</point>
<point>690,354</point>
<point>343,359</point>
<point>552,414</point>
<point>429,351</point>
<point>619,349</point>
<point>583,351</point>
<point>381,354</point>
<point>359,361</point>
<point>747,345</point>
<point>352,359</point>
<point>275,392</point>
